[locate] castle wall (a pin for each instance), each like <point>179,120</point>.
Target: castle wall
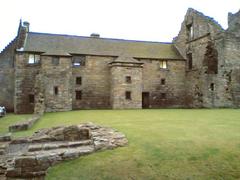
<point>173,88</point>
<point>60,77</point>
<point>7,76</point>
<point>232,67</point>
<point>207,79</point>
<point>25,75</point>
<point>95,85</point>
<point>120,86</point>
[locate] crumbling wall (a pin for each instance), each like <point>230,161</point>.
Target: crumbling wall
<point>232,66</point>
<point>234,24</point>
<point>202,26</point>
<point>206,77</point>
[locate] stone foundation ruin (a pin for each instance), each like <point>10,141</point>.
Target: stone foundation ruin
<point>30,157</point>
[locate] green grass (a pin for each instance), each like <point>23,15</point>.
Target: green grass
<point>9,120</point>
<point>163,144</point>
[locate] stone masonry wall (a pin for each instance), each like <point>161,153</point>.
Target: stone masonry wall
<point>7,76</point>
<point>95,86</point>
<point>232,67</point>
<point>204,87</point>
<point>25,75</point>
<point>174,86</point>
<point>119,86</point>
<point>60,77</point>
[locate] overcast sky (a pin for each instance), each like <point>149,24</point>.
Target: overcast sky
<point>151,20</point>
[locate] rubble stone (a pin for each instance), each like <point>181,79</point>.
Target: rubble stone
<point>30,157</point>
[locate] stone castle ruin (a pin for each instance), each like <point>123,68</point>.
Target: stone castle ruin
<point>48,72</point>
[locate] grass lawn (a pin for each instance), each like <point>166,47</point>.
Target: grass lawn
<point>163,144</point>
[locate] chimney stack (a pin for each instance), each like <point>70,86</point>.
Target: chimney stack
<point>95,35</point>
<point>26,25</point>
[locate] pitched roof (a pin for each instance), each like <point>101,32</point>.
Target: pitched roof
<point>53,44</point>
<point>125,59</point>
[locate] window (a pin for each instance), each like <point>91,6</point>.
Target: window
<point>55,90</point>
<point>128,79</point>
<point>78,95</point>
<point>33,59</point>
<point>78,61</point>
<point>163,81</point>
<point>163,95</point>
<point>212,87</point>
<point>163,64</point>
<point>79,80</point>
<point>55,61</point>
<point>190,32</point>
<point>128,95</point>
<point>31,98</point>
<point>189,60</point>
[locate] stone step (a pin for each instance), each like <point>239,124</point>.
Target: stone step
<point>55,155</point>
<point>57,145</point>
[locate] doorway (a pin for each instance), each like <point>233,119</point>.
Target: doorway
<point>145,100</point>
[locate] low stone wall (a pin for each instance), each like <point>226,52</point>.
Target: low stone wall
<point>30,157</point>
<point>24,125</point>
<point>5,137</point>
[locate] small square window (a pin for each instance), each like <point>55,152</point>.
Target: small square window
<point>163,64</point>
<point>78,95</point>
<point>78,61</point>
<point>31,98</point>
<point>55,90</point>
<point>55,61</point>
<point>163,81</point>
<point>33,59</point>
<point>128,95</point>
<point>128,79</point>
<point>163,95</point>
<point>79,80</point>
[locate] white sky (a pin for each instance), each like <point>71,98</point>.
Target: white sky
<point>151,20</point>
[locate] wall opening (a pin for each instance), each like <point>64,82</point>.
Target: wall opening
<point>31,98</point>
<point>78,95</point>
<point>128,95</point>
<point>163,95</point>
<point>78,61</point>
<point>190,32</point>
<point>55,60</point>
<point>163,81</point>
<point>79,80</point>
<point>189,61</point>
<point>212,86</point>
<point>33,59</point>
<point>55,89</point>
<point>145,99</point>
<point>211,59</point>
<point>163,64</point>
<point>128,79</point>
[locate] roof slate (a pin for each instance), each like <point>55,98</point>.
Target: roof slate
<point>53,44</point>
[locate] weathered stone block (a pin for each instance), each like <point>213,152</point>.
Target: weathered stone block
<point>6,137</point>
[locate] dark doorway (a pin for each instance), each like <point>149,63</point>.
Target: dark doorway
<point>145,100</point>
